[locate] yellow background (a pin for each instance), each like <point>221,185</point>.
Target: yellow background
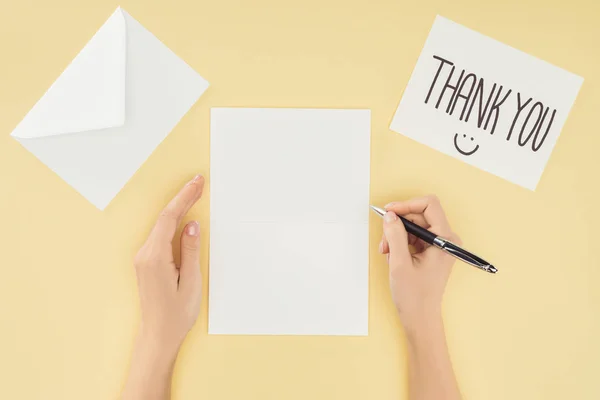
<point>68,305</point>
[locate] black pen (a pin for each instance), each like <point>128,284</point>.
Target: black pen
<point>442,244</point>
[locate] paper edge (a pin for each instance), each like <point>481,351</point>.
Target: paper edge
<point>358,333</point>
<point>122,119</point>
<point>439,17</point>
<point>579,80</point>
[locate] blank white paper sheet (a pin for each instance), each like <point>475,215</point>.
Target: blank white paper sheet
<point>289,198</point>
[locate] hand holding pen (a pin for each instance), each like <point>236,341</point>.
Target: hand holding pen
<point>440,242</point>
<point>417,279</point>
<point>417,282</point>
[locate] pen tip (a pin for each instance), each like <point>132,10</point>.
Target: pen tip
<point>378,211</point>
<point>492,269</point>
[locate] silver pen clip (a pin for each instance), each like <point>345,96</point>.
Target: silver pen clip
<point>463,255</point>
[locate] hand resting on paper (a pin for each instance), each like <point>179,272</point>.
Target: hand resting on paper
<point>170,297</point>
<point>418,278</point>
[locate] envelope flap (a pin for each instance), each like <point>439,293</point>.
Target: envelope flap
<point>90,93</point>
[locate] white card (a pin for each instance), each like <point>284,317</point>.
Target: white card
<point>486,103</point>
<point>289,230</point>
<point>110,108</point>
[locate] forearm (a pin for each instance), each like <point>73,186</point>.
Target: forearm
<point>431,376</point>
<point>150,371</point>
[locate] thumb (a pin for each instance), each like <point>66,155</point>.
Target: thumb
<point>396,236</point>
<point>189,271</point>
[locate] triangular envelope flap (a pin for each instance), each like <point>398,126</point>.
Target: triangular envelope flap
<point>90,93</point>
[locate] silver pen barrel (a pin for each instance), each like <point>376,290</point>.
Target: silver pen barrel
<point>463,255</point>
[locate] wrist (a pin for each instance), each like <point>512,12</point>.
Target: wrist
<point>423,324</point>
<point>152,349</point>
<point>151,369</point>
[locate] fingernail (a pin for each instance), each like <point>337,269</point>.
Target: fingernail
<point>389,205</point>
<point>381,247</point>
<point>192,229</point>
<point>390,217</point>
<point>196,179</point>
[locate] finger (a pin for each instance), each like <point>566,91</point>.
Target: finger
<point>189,271</point>
<point>396,236</point>
<point>384,246</point>
<point>418,219</point>
<point>429,207</point>
<point>412,239</point>
<point>171,216</point>
<point>420,246</point>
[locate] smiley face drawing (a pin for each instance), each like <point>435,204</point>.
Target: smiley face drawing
<point>461,151</point>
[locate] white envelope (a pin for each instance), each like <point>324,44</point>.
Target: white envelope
<point>110,108</point>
